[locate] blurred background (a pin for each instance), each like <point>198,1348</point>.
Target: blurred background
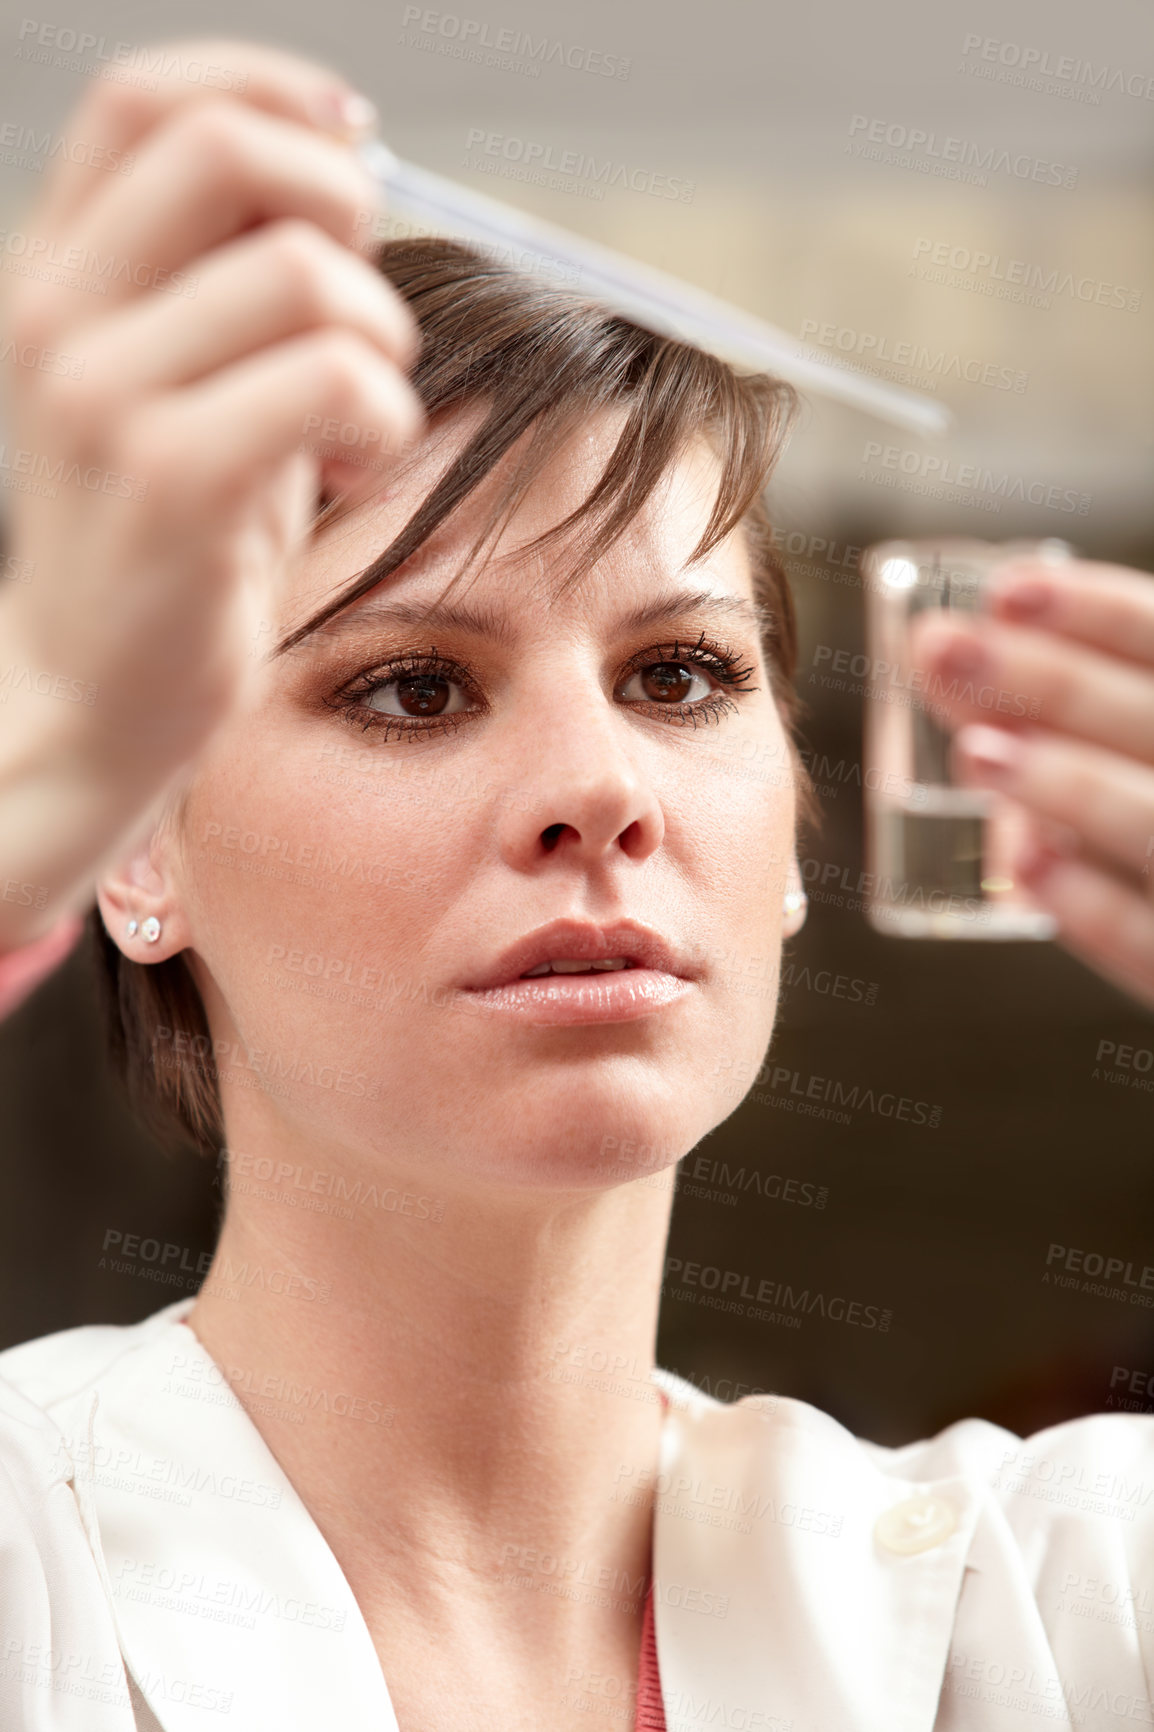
<point>957,200</point>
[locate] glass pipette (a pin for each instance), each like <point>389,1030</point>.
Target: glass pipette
<point>653,298</point>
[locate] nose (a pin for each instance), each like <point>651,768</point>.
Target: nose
<point>583,798</point>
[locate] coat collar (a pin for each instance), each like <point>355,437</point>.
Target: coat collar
<point>232,1602</point>
<point>774,1604</point>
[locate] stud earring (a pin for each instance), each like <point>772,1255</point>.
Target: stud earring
<point>794,900</point>
<point>151,929</point>
<point>131,929</point>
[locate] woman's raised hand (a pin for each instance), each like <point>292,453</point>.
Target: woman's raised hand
<point>1077,641</point>
<point>183,336</point>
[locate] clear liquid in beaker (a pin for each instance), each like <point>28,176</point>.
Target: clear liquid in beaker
<point>938,871</point>
<point>940,858</point>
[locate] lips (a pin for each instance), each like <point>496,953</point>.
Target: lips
<point>574,940</point>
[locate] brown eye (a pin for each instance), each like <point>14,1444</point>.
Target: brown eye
<point>423,696</point>
<point>666,683</point>
<point>416,695</point>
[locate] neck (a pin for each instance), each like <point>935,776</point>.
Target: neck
<point>490,1416</point>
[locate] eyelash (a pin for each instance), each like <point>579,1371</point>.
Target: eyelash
<point>725,665</point>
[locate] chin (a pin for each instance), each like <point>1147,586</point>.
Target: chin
<point>595,1140</point>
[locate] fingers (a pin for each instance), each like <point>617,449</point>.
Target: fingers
<point>1108,800</point>
<point>1108,925</point>
<point>1105,607</point>
<point>980,670</point>
<point>198,448</point>
<point>211,172</point>
<point>277,282</point>
<point>113,119</point>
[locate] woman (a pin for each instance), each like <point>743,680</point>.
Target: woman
<point>406,1459</point>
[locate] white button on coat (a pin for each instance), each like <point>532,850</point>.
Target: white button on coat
<point>915,1525</point>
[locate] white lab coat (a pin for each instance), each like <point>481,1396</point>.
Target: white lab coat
<point>158,1570</point>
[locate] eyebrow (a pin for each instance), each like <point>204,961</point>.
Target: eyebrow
<point>482,621</point>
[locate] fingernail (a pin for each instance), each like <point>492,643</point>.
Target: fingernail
<point>962,658</point>
<point>343,110</point>
<point>1033,863</point>
<point>989,754</point>
<point>1024,596</point>
<point>359,113</point>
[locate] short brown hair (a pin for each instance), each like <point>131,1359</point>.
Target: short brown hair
<point>542,358</point>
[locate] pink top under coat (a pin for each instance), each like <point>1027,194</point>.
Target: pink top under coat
<point>22,970</point>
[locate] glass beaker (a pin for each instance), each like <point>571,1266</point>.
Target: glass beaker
<point>938,856</point>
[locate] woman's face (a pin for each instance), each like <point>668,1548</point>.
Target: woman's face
<point>404,802</point>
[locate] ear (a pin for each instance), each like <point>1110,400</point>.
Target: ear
<point>140,888</point>
<point>795,902</point>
